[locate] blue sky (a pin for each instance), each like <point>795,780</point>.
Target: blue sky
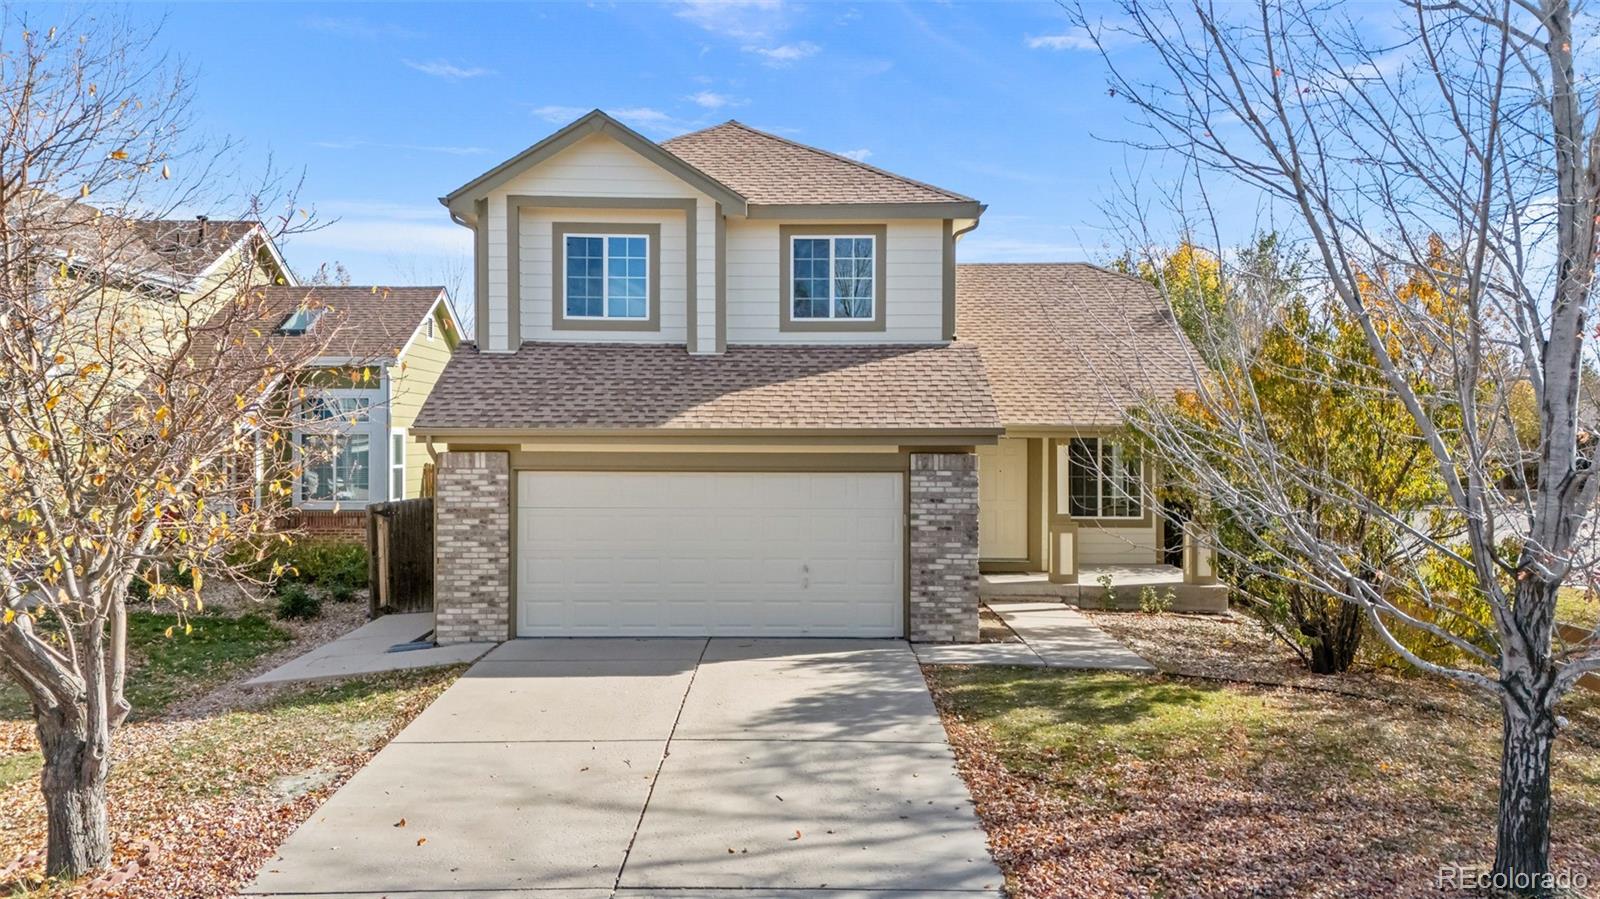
<point>387,107</point>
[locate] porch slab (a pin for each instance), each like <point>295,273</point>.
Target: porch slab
<point>1127,581</point>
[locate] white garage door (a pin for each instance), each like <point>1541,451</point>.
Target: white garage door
<point>718,553</point>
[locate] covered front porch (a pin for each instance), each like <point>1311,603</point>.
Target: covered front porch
<point>1072,516</point>
<point>1127,584</point>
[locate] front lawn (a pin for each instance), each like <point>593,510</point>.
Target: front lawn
<point>163,669</point>
<point>1110,784</point>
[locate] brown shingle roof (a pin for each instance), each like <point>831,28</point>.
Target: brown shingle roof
<point>769,169</point>
<point>187,246</point>
<point>1068,344</point>
<point>367,323</point>
<point>612,386</point>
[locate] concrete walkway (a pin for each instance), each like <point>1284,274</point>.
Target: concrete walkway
<point>654,768</point>
<point>365,650</point>
<point>1053,636</point>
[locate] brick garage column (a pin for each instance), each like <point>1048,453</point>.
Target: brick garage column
<point>943,531</point>
<point>472,548</point>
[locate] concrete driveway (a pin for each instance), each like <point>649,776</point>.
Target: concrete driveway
<point>654,768</point>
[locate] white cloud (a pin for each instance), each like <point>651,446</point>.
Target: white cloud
<point>558,115</point>
<point>785,54</point>
<point>1072,39</point>
<point>642,117</point>
<point>858,155</point>
<point>438,68</point>
<point>714,100</point>
<point>415,148</point>
<point>359,28</point>
<point>745,20</point>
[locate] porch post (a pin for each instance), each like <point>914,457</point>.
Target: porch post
<point>1199,557</point>
<point>1062,548</point>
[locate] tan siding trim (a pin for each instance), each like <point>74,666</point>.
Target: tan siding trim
<point>704,462</point>
<point>480,273</point>
<point>721,343</point>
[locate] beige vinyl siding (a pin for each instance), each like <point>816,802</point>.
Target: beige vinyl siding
<point>1102,545</point>
<point>410,382</point>
<point>537,265</point>
<point>597,166</point>
<point>913,285</point>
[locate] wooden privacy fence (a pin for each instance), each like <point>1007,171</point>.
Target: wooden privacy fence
<point>400,556</point>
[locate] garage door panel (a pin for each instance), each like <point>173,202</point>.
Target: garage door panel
<point>693,553</point>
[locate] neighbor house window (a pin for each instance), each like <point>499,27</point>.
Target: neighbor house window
<point>397,464</point>
<point>833,277</point>
<point>336,449</point>
<point>1104,480</point>
<point>608,276</point>
<point>299,321</point>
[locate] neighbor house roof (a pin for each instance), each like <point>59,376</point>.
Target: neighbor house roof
<point>189,246</point>
<point>1069,344</point>
<point>613,386</point>
<point>363,323</point>
<point>771,170</point>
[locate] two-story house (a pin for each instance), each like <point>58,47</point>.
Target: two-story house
<point>732,385</point>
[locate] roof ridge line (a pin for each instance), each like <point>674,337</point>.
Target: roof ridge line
<point>832,155</point>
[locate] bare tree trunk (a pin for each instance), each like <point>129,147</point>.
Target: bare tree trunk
<point>1522,841</point>
<point>74,787</point>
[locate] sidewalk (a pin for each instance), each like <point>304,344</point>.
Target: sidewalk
<point>1053,636</point>
<point>365,650</point>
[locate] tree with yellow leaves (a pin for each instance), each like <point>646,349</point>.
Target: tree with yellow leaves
<point>134,398</point>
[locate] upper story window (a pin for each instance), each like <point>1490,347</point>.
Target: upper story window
<point>834,277</point>
<point>608,276</point>
<point>1104,480</point>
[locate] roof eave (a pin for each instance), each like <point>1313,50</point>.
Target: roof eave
<point>953,209</point>
<point>459,200</point>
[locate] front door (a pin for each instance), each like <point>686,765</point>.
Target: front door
<point>1003,499</point>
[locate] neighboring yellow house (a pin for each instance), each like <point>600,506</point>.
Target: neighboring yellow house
<point>355,446</point>
<point>189,269</point>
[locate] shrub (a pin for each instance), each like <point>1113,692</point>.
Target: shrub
<point>295,601</point>
<point>1153,603</point>
<point>337,566</point>
<point>340,591</point>
<point>1108,598</point>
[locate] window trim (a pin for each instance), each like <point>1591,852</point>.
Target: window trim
<point>880,248</point>
<point>397,464</point>
<point>369,428</point>
<point>1064,487</point>
<point>560,231</point>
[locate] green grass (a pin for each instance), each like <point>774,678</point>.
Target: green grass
<point>166,669</point>
<point>1576,606</point>
<point>19,767</point>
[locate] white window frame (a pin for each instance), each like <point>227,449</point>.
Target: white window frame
<point>872,295</point>
<point>345,429</point>
<point>1100,480</point>
<point>397,463</point>
<point>605,278</point>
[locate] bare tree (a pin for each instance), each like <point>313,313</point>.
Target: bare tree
<point>140,387</point>
<point>1451,142</point>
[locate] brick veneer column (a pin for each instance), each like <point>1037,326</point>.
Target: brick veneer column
<point>472,548</point>
<point>943,532</point>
